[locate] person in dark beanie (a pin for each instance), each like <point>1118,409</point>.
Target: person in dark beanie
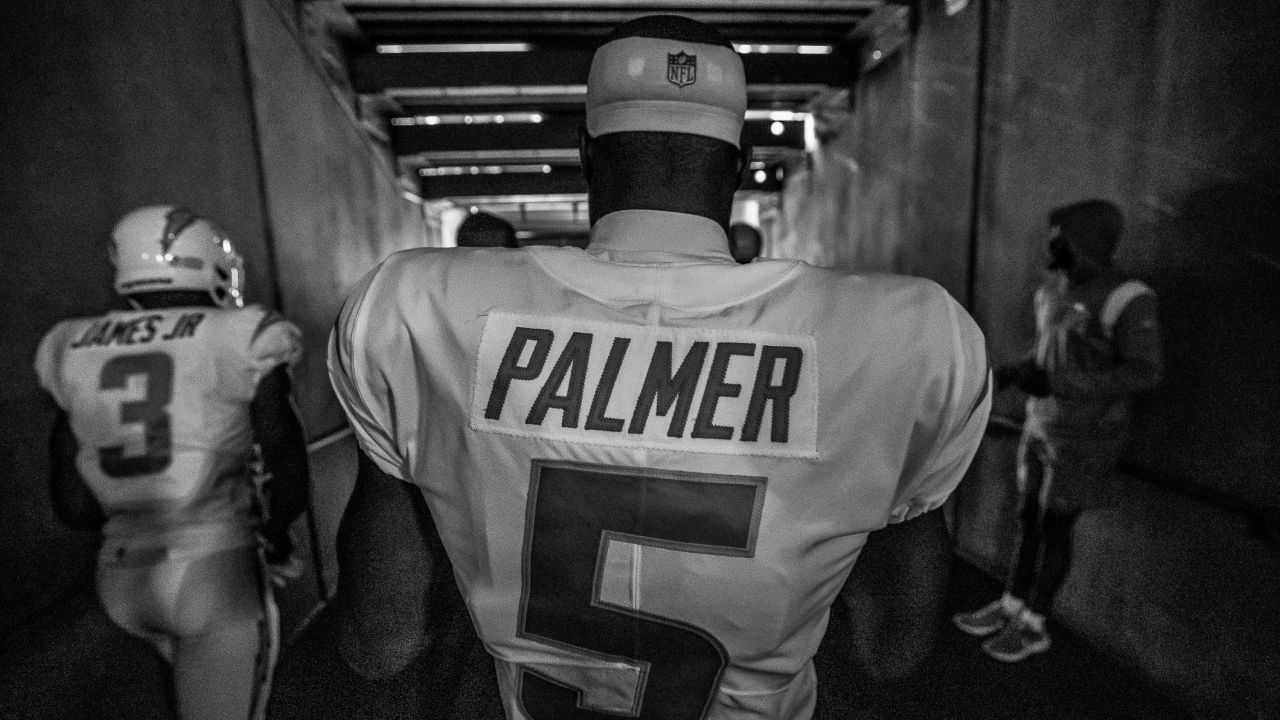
<point>481,229</point>
<point>744,242</point>
<point>1097,342</point>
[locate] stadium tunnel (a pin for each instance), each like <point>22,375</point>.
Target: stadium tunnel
<point>927,137</point>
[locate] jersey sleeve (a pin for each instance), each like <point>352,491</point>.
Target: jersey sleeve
<point>48,358</point>
<point>952,423</point>
<point>357,345</point>
<point>251,342</point>
<point>275,342</point>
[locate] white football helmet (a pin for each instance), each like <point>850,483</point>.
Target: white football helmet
<point>168,247</point>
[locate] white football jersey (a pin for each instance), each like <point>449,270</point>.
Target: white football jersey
<point>652,467</point>
<point>158,402</point>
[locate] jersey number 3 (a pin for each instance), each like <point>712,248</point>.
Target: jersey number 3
<point>152,412</point>
<point>636,664</point>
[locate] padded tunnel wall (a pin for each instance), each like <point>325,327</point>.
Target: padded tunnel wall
<point>1166,107</point>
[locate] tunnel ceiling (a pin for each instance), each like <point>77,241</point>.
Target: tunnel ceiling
<point>484,97</point>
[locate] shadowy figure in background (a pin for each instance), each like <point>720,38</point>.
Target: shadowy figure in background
<point>1097,342</point>
<point>744,242</point>
<point>160,408</point>
<point>481,229</point>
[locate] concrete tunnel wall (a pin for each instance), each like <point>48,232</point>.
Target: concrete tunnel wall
<point>336,208</point>
<point>1168,109</point>
<point>222,107</point>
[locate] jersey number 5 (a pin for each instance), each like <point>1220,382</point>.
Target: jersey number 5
<point>151,412</point>
<point>636,664</point>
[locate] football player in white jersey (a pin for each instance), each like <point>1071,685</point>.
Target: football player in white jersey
<point>168,413</point>
<point>652,467</point>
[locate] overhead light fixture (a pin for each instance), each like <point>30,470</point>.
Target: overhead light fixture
<point>487,91</point>
<point>453,170</point>
<point>777,115</point>
<point>453,48</point>
<point>784,49</point>
<point>513,202</point>
<point>514,156</point>
<point>469,119</point>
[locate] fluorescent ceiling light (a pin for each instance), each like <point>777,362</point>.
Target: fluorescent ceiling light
<point>767,48</point>
<point>487,91</point>
<point>483,170</point>
<point>777,115</point>
<point>442,158</point>
<point>453,48</point>
<point>469,119</point>
<point>513,202</point>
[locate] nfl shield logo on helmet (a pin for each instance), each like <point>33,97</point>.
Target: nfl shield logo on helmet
<point>682,69</point>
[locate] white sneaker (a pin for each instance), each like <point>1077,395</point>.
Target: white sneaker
<point>989,618</point>
<point>1022,637</point>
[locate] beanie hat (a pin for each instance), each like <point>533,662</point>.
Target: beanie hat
<point>1092,226</point>
<point>666,73</point>
<point>480,229</point>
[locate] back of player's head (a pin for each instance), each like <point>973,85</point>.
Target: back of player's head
<point>1091,226</point>
<point>168,248</point>
<point>666,102</point>
<point>481,229</point>
<point>666,73</point>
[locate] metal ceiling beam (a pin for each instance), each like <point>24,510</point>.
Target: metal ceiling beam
<point>376,72</point>
<point>372,72</point>
<point>567,157</point>
<point>558,181</point>
<point>554,133</point>
<point>763,97</point>
<point>561,180</point>
<point>411,27</point>
<point>431,101</point>
<point>575,23</point>
<point>519,156</point>
<point>538,184</point>
<point>636,5</point>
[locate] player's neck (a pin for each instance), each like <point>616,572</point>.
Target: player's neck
<point>627,194</point>
<point>624,181</point>
<point>170,299</point>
